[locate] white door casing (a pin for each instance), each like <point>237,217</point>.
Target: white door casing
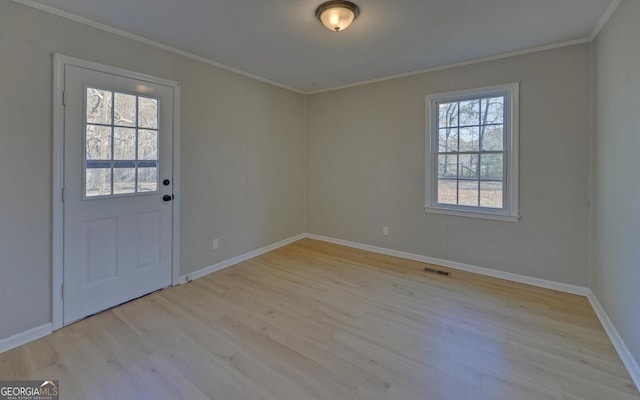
<point>120,243</point>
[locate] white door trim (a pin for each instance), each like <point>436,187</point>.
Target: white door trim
<point>59,62</point>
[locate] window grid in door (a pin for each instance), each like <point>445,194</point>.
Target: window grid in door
<point>121,143</point>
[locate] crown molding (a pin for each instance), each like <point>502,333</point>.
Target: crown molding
<point>456,65</point>
<point>603,20</point>
<point>42,7</point>
<point>119,32</point>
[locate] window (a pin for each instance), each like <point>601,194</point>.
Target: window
<point>472,157</point>
<point>121,144</point>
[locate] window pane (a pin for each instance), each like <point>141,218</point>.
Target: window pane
<point>492,138</point>
<point>98,106</point>
<point>148,113</point>
<point>468,166</point>
<point>124,144</point>
<point>98,142</point>
<point>492,167</point>
<point>492,110</point>
<point>98,182</point>
<point>491,194</point>
<point>447,191</point>
<point>468,193</point>
<point>148,145</point>
<point>447,166</point>
<point>147,179</point>
<point>124,180</point>
<point>448,114</point>
<point>470,112</point>
<point>125,109</point>
<point>448,140</point>
<point>470,139</point>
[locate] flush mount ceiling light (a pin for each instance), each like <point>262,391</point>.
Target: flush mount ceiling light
<point>337,15</point>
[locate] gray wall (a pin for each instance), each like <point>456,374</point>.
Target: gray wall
<point>365,167</point>
<point>244,149</point>
<point>615,257</point>
<point>242,154</point>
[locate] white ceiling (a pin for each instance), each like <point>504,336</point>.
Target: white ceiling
<point>282,41</point>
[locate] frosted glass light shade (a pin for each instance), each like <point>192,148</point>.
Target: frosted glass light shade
<point>337,15</point>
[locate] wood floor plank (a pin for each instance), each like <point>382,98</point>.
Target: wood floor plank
<point>315,320</point>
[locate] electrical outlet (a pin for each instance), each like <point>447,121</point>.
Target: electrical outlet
<point>385,230</point>
<point>215,244</point>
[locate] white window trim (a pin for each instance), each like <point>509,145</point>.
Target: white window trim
<point>511,210</point>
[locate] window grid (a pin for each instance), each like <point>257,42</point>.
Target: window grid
<point>482,127</point>
<point>112,163</point>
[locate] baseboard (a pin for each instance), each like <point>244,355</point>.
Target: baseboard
<point>25,337</point>
<point>543,283</point>
<point>625,354</point>
<point>235,260</point>
<point>623,351</point>
<point>46,329</point>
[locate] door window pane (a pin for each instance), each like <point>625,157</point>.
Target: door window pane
<point>147,179</point>
<point>98,181</point>
<point>124,144</point>
<point>98,142</point>
<point>124,112</point>
<point>148,145</point>
<point>124,180</point>
<point>99,103</point>
<point>148,113</point>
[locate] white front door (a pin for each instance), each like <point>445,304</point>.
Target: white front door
<point>117,189</point>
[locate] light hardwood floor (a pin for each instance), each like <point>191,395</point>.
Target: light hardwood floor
<point>314,320</point>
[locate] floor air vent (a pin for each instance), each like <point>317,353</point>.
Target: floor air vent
<point>437,271</point>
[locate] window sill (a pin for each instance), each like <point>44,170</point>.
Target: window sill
<point>472,214</point>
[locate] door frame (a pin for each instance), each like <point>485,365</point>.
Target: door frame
<point>59,63</point>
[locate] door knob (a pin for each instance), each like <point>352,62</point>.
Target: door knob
<point>167,197</point>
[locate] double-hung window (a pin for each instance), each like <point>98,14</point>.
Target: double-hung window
<point>472,153</point>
